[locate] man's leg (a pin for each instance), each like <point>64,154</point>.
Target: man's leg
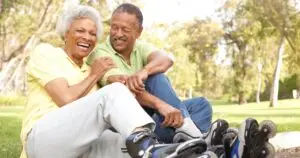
<point>69,131</point>
<point>200,111</point>
<point>159,86</point>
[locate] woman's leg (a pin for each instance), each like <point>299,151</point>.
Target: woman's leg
<point>69,131</point>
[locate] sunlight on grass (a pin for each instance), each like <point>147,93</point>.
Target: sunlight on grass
<point>10,145</point>
<point>286,115</point>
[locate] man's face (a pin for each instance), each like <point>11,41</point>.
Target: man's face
<point>81,37</point>
<point>125,29</point>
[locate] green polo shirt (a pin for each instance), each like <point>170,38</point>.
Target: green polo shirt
<point>138,58</point>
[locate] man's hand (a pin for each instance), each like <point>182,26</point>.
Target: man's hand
<point>100,66</point>
<point>136,82</point>
<point>173,116</point>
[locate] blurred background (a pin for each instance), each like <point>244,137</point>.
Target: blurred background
<point>231,50</point>
<point>243,55</point>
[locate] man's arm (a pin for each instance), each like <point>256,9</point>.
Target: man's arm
<point>157,61</point>
<point>172,116</point>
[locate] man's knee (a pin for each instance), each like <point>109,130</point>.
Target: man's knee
<point>157,81</point>
<point>157,77</point>
<point>204,105</point>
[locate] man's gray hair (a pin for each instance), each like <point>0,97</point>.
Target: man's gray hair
<point>77,11</point>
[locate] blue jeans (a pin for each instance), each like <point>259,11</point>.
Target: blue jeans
<point>198,109</point>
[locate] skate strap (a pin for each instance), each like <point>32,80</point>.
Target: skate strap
<point>141,135</point>
<point>149,151</point>
<point>186,145</point>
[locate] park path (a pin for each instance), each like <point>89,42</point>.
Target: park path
<point>286,140</point>
<point>287,144</point>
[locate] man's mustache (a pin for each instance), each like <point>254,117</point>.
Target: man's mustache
<point>123,38</point>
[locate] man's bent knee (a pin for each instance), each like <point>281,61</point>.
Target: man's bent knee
<point>157,76</point>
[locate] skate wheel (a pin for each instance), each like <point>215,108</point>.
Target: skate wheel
<point>230,134</point>
<point>269,127</point>
<point>268,151</point>
<point>232,130</point>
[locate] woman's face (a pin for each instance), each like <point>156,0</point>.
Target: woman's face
<point>81,37</point>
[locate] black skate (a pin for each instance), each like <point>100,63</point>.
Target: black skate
<point>216,132</point>
<point>212,138</point>
<point>228,138</point>
<point>144,144</point>
<point>252,140</point>
<point>206,154</point>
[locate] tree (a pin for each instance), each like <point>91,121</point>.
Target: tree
<point>203,43</point>
<point>279,15</point>
<point>241,37</point>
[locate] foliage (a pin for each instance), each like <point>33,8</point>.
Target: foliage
<point>203,43</point>
<point>12,100</point>
<point>248,37</point>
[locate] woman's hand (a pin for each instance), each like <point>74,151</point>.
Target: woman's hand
<point>100,66</point>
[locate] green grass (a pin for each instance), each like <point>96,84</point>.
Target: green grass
<point>286,116</point>
<point>10,127</point>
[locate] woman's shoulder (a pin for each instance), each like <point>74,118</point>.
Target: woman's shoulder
<point>47,50</point>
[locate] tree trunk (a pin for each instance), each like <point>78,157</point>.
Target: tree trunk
<point>190,93</point>
<point>14,75</point>
<point>276,75</point>
<point>258,83</point>
<point>258,89</point>
<point>242,99</point>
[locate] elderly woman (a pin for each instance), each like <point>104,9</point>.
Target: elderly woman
<point>63,118</point>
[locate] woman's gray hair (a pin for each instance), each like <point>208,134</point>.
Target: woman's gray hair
<point>77,11</point>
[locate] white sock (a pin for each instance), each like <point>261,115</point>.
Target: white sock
<point>190,128</point>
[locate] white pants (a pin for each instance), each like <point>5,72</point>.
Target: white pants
<point>71,131</point>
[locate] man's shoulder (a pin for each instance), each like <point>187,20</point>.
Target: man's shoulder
<point>144,46</point>
<point>102,48</point>
<point>141,43</point>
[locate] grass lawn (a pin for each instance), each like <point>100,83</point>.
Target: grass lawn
<point>286,116</point>
<point>10,127</point>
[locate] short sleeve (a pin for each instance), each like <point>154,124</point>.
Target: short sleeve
<point>44,64</point>
<point>99,51</point>
<point>146,49</point>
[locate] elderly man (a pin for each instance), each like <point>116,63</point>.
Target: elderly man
<point>140,66</point>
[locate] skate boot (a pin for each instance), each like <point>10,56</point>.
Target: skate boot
<point>212,138</point>
<point>143,144</point>
<point>216,132</point>
<point>206,154</point>
<point>252,140</point>
<point>229,136</point>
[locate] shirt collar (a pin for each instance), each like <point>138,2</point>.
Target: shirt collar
<point>84,66</point>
